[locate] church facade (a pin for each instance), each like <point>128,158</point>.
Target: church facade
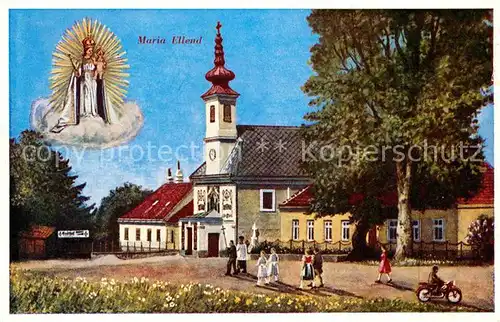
<point>248,171</point>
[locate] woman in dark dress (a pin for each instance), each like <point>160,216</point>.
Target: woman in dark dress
<point>307,272</point>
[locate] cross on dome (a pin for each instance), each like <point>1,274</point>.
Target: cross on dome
<point>219,76</point>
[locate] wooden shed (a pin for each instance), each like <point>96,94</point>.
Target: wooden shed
<point>38,242</point>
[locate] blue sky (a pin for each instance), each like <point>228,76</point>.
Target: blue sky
<point>267,49</point>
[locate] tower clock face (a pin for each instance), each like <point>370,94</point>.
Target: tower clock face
<point>211,154</point>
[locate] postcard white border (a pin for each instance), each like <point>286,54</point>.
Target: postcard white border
<point>257,4</point>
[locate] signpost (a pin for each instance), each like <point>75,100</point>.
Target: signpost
<point>73,234</point>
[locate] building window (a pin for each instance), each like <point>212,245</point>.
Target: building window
<point>416,230</point>
<point>125,233</point>
<point>295,229</point>
<point>227,113</point>
<point>328,230</point>
<point>212,113</point>
<point>392,226</point>
<point>149,234</point>
<point>267,200</point>
<point>172,236</point>
<point>158,235</point>
<point>137,234</point>
<point>438,229</point>
<point>345,230</point>
<point>310,230</point>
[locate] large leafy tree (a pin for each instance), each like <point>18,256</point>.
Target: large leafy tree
<point>42,189</point>
<point>119,201</point>
<point>395,94</point>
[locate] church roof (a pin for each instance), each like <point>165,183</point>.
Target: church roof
<point>159,204</point>
<point>185,211</point>
<point>264,151</point>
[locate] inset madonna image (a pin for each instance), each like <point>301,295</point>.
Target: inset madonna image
<point>89,84</point>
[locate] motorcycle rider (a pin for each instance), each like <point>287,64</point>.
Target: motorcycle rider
<point>434,280</point>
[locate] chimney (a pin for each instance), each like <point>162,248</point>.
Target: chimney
<point>170,179</point>
<point>179,178</point>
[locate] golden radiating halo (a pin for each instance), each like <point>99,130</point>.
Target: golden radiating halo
<point>71,45</point>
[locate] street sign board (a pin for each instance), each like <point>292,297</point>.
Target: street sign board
<point>73,234</point>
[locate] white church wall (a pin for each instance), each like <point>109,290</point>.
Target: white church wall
<point>203,236</point>
<point>228,203</point>
<point>199,199</point>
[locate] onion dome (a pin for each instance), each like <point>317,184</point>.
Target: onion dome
<point>219,76</point>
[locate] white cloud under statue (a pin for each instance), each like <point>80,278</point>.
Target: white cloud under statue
<point>91,132</point>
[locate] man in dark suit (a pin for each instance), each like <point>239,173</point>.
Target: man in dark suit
<point>318,266</point>
<point>232,259</point>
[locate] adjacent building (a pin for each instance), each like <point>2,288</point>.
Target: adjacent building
<point>429,226</point>
<point>38,242</point>
<point>153,224</point>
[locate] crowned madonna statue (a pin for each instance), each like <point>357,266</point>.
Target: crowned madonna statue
<point>90,85</point>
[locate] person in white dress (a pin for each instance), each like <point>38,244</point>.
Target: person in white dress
<point>273,270</point>
<point>262,269</point>
<point>241,251</point>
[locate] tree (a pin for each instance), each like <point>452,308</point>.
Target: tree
<point>42,191</point>
<point>481,236</point>
<point>119,201</point>
<point>396,90</point>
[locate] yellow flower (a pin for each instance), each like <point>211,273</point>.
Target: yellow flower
<point>237,300</point>
<point>290,302</point>
<point>248,302</point>
<point>268,299</point>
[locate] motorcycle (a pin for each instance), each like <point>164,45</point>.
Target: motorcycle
<point>449,291</point>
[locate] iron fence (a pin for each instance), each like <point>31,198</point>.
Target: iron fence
<point>420,249</point>
<point>439,250</point>
<point>299,246</point>
<point>111,246</point>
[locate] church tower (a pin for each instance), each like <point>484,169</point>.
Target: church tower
<point>220,111</point>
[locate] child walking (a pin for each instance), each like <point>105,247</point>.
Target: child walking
<point>384,267</point>
<point>307,272</point>
<point>262,269</point>
<point>273,268</point>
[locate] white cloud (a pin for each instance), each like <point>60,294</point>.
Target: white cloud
<point>91,132</point>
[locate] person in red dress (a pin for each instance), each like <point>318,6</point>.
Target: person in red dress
<point>384,267</point>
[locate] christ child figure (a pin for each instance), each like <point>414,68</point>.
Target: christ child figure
<point>100,64</point>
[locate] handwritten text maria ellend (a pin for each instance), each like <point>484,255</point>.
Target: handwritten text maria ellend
<point>175,40</point>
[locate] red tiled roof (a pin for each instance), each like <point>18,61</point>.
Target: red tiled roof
<point>38,232</point>
<point>304,196</point>
<point>299,199</point>
<point>159,204</point>
<point>185,211</point>
<point>486,194</point>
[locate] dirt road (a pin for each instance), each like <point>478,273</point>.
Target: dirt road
<point>345,279</point>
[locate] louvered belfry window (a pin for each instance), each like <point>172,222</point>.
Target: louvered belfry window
<point>212,113</point>
<point>227,113</point>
